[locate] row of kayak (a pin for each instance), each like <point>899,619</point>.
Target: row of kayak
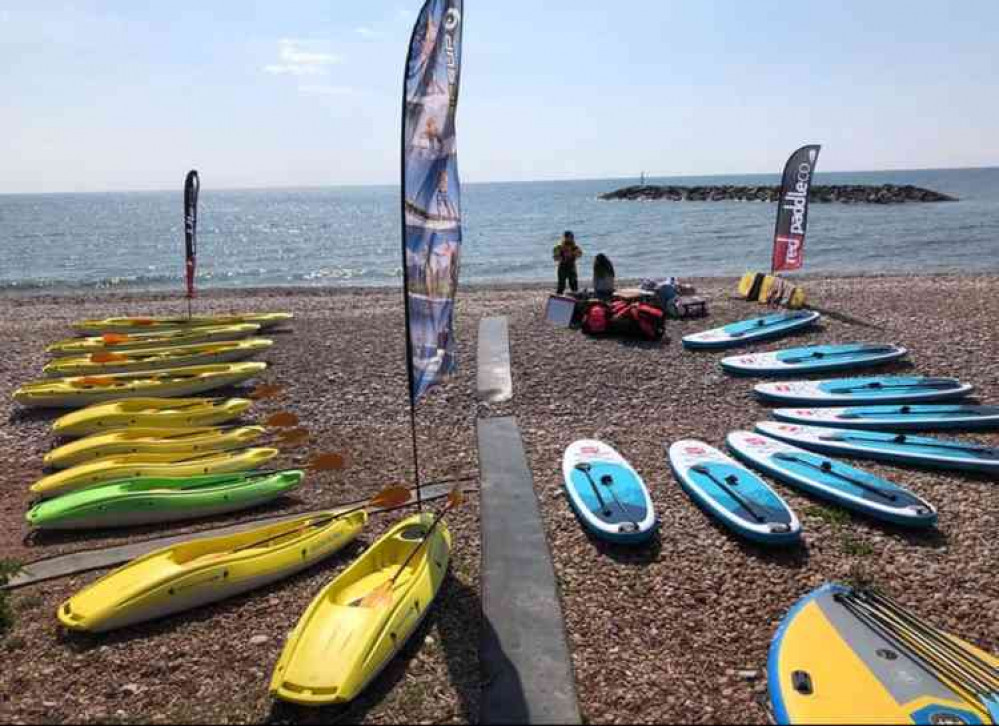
<point>141,357</point>
<point>351,630</point>
<point>142,452</point>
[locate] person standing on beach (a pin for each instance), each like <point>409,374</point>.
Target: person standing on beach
<point>565,254</point>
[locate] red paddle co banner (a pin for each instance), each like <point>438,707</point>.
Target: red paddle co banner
<point>792,210</point>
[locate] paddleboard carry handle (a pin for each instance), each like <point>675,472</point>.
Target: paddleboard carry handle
<point>871,350</point>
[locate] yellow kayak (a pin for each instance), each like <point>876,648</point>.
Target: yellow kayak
<point>139,324</point>
<point>76,391</point>
<point>117,342</point>
<point>149,413</point>
<point>150,359</point>
<point>152,441</point>
<point>203,571</point>
<point>127,466</point>
<point>340,645</point>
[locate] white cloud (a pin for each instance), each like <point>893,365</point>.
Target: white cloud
<point>325,90</point>
<point>296,60</point>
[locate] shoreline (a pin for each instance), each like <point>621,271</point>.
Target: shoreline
<point>90,293</point>
<point>694,613</point>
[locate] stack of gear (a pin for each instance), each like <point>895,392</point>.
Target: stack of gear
<point>629,319</point>
<point>771,290</point>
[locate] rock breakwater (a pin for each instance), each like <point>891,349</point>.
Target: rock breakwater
<point>843,193</point>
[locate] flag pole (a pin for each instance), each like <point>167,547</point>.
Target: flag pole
<point>405,274</point>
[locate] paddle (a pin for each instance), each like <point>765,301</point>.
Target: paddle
<point>762,323</point>
<point>608,481</point>
<point>819,355</point>
<point>381,596</point>
<point>151,375</point>
<point>586,468</point>
<point>282,419</point>
<point>386,499</point>
<point>902,439</point>
<point>826,467</point>
<point>97,381</point>
<point>115,338</point>
<point>108,357</point>
<point>266,391</point>
<point>727,485</point>
<point>289,438</point>
<point>901,409</point>
<point>933,383</point>
<point>878,602</point>
<point>940,657</point>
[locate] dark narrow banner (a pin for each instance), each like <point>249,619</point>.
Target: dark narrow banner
<point>192,185</point>
<point>431,193</point>
<point>792,210</point>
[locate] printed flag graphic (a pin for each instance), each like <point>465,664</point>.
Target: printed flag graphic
<point>431,192</point>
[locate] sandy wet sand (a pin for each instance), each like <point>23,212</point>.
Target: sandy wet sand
<point>678,631</point>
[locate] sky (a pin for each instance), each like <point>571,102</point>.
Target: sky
<point>124,95</point>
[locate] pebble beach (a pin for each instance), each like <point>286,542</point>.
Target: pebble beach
<point>676,631</point>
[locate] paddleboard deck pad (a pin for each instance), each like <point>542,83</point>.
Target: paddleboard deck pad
<point>812,359</point>
<point>607,494</point>
<point>732,494</point>
<point>874,389</point>
<point>929,417</point>
<point>886,446</point>
<point>752,330</point>
<point>832,481</point>
<point>849,656</point>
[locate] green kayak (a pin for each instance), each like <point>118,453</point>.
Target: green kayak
<point>147,500</point>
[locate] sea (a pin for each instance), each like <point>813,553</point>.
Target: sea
<point>350,236</point>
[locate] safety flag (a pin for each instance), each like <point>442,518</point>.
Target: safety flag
<point>431,193</point>
<point>191,187</point>
<point>792,210</point>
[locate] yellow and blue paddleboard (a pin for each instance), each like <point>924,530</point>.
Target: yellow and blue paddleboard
<point>832,660</point>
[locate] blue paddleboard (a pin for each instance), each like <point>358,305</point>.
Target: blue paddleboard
<point>812,359</point>
<point>732,494</point>
<point>750,331</point>
<point>872,389</point>
<point>890,447</point>
<point>832,481</point>
<point>929,417</point>
<point>607,494</point>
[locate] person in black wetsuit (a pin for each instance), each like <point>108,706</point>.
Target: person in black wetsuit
<point>565,254</point>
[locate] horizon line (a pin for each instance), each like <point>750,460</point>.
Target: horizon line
<point>158,190</point>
